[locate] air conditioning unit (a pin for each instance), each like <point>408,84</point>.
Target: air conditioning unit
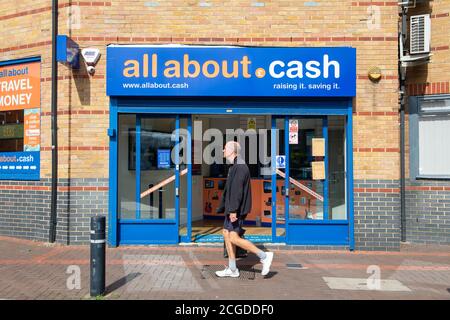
<point>419,34</point>
<point>410,3</point>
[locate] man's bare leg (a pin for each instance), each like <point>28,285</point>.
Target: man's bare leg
<point>236,240</point>
<point>231,248</point>
<point>231,270</point>
<point>265,258</point>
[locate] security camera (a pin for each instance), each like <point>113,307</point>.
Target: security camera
<point>91,57</point>
<point>90,69</point>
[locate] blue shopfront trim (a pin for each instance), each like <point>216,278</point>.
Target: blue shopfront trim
<point>113,167</point>
<point>298,232</point>
<point>146,232</point>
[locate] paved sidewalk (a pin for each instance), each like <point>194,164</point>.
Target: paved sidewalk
<point>33,270</point>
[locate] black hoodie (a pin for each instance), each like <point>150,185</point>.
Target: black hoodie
<point>237,195</point>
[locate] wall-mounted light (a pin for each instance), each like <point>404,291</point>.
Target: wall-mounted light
<point>374,74</point>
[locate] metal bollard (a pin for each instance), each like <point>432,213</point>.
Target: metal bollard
<point>98,244</point>
<point>160,203</point>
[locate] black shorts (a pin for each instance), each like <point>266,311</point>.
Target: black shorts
<point>235,226</point>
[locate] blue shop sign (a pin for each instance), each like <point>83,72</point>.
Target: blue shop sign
<point>20,165</point>
<point>230,71</point>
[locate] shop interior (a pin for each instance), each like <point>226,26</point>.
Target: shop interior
<point>211,178</point>
<point>11,131</point>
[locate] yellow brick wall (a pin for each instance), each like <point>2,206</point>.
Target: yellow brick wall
<point>372,30</point>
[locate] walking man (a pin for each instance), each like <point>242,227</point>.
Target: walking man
<point>236,203</point>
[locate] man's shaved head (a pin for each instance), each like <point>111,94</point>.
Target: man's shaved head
<point>233,146</point>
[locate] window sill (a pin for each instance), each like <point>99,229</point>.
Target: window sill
<point>424,177</point>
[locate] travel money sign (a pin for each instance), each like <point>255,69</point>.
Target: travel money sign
<point>230,71</point>
<point>20,94</point>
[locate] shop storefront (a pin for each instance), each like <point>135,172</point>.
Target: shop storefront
<point>382,181</point>
<point>173,107</point>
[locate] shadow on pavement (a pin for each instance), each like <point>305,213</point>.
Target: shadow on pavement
<point>270,275</point>
<point>121,282</point>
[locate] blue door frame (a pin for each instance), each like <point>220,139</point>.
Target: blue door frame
<point>151,231</point>
<point>298,232</point>
<point>305,232</point>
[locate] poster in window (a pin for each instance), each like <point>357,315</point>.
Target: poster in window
<point>20,103</point>
<point>318,170</point>
<point>318,147</point>
<point>293,137</point>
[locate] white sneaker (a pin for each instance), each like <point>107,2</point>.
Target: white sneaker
<point>227,273</point>
<point>266,263</point>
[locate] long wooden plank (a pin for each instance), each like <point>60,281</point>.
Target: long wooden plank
<point>301,186</point>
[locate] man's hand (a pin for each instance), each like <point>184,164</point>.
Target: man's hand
<point>233,217</point>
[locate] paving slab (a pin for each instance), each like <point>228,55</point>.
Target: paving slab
<point>34,270</point>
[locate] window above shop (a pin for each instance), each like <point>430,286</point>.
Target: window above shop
<point>429,137</point>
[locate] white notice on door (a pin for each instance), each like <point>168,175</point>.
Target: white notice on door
<point>293,137</point>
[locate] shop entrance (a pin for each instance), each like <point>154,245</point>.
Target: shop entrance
<point>171,175</point>
<point>210,133</point>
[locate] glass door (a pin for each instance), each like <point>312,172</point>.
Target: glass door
<point>315,215</point>
<point>299,179</point>
<point>149,176</point>
<point>307,184</point>
<point>156,178</point>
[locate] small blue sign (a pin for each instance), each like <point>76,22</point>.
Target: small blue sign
<point>230,71</point>
<point>20,165</point>
<point>67,51</point>
<point>163,158</point>
<point>281,162</point>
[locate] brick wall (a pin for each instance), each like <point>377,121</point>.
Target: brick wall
<point>428,212</point>
<point>377,215</point>
<point>25,208</point>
